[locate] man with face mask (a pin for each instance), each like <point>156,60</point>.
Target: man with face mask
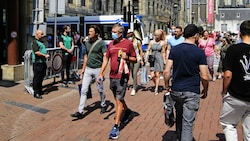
<point>95,51</point>
<point>120,52</point>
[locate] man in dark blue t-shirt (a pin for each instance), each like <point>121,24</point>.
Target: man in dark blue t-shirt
<point>236,87</point>
<point>189,68</point>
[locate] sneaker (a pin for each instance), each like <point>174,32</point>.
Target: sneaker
<point>114,133</point>
<point>64,85</point>
<point>214,78</point>
<point>156,92</point>
<point>77,114</point>
<point>127,115</point>
<point>161,77</point>
<point>132,92</point>
<point>70,82</point>
<point>103,110</point>
<point>219,77</point>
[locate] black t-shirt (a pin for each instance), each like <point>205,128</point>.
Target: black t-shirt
<point>237,61</point>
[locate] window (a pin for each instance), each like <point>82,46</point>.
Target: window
<point>148,8</point>
<point>70,1</point>
<point>114,5</point>
<point>237,15</point>
<point>99,5</point>
<point>223,27</point>
<point>82,2</point>
<point>222,15</point>
<point>238,27</point>
<point>107,6</point>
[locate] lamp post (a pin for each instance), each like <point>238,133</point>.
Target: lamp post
<point>175,11</point>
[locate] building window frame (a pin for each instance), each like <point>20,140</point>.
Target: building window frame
<point>222,15</point>
<point>83,3</point>
<point>70,1</point>
<point>237,15</point>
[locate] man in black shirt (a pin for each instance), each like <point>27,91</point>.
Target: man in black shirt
<point>39,56</point>
<point>236,87</point>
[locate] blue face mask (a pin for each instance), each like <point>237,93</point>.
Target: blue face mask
<point>114,36</point>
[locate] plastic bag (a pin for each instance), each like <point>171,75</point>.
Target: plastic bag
<point>144,76</point>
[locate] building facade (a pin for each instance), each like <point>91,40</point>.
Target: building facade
<point>230,14</point>
<point>155,14</point>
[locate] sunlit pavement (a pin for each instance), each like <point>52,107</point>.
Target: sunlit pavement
<point>24,118</point>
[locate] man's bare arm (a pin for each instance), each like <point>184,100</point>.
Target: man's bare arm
<point>204,79</point>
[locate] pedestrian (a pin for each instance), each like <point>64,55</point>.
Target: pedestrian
<point>120,52</point>
<point>155,55</point>
<point>236,84</point>
<point>189,68</point>
<point>139,56</point>
<point>93,59</point>
<point>66,43</point>
<point>208,45</point>
<point>39,56</point>
<point>174,41</point>
<point>225,44</point>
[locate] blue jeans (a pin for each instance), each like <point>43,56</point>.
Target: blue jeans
<point>187,105</point>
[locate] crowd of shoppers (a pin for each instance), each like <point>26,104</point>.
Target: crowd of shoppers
<point>185,58</point>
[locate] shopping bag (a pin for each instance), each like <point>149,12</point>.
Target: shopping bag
<point>144,76</point>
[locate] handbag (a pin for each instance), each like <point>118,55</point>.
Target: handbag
<point>151,58</point>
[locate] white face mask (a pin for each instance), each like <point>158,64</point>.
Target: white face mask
<point>130,38</point>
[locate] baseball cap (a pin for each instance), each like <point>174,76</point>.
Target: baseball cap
<point>190,30</point>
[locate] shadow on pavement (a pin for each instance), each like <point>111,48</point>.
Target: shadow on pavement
<point>7,83</point>
<point>171,136</point>
<point>221,137</point>
<point>130,118</point>
<point>94,106</point>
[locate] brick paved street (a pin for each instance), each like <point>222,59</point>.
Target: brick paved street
<point>24,118</point>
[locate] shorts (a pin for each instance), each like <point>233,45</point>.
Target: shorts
<point>118,87</point>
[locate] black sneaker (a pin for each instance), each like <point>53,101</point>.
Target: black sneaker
<point>127,116</point>
<point>38,96</point>
<point>77,114</point>
<point>103,110</point>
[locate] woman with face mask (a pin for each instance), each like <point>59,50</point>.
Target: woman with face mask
<point>135,66</point>
<point>157,48</point>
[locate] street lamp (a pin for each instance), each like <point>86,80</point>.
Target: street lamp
<point>192,16</point>
<point>175,11</point>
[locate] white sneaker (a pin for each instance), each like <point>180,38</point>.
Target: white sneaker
<point>132,92</point>
<point>214,78</point>
<point>219,77</point>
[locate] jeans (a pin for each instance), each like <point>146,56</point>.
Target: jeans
<point>88,75</point>
<point>234,111</point>
<point>187,105</point>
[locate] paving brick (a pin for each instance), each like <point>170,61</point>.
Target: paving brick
<point>19,124</point>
